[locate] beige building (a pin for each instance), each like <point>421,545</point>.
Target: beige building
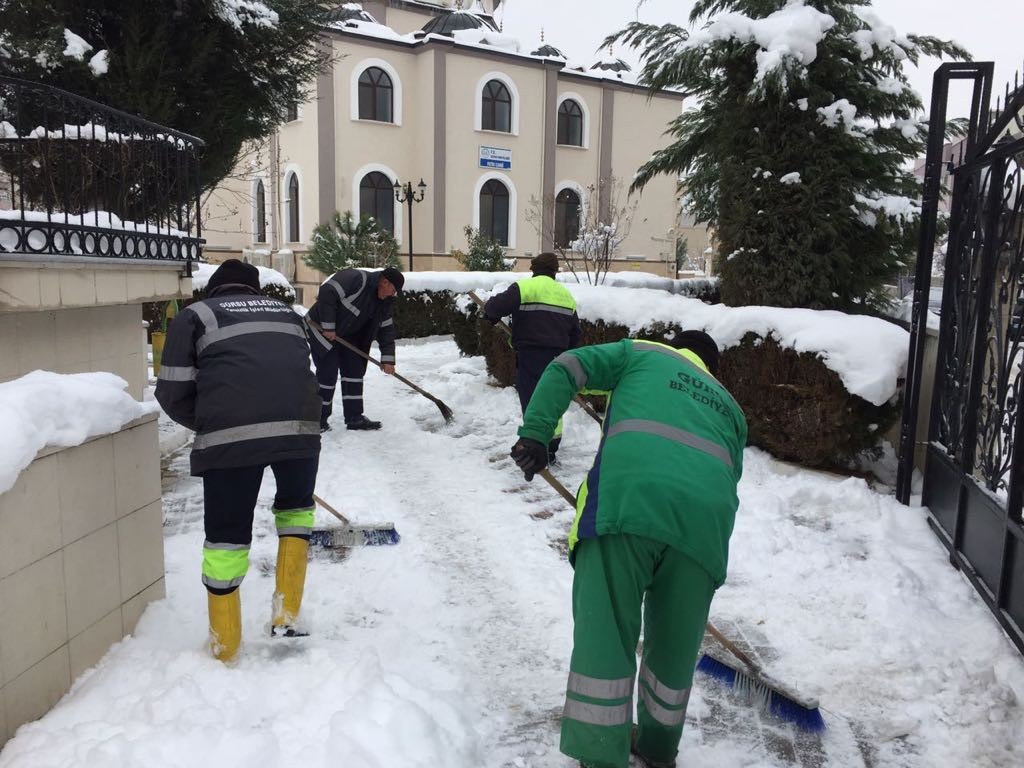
<point>506,140</point>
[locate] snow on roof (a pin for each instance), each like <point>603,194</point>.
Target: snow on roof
<point>790,34</point>
<point>868,354</point>
<point>487,37</point>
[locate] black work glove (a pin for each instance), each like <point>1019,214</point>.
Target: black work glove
<point>492,320</point>
<point>530,456</point>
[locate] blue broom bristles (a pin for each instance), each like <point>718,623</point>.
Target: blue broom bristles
<point>381,537</point>
<point>767,696</point>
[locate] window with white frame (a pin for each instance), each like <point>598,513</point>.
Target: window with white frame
<point>496,107</point>
<point>259,213</point>
<point>494,211</point>
<point>376,95</point>
<point>567,217</point>
<point>570,124</point>
<point>377,199</point>
<point>292,207</point>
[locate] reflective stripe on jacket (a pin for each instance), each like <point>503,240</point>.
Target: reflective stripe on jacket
<point>671,452</point>
<point>235,369</point>
<point>347,304</point>
<point>543,313</point>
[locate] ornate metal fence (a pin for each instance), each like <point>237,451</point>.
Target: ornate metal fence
<point>973,481</point>
<point>81,179</point>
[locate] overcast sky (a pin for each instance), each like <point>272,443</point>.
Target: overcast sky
<point>990,29</point>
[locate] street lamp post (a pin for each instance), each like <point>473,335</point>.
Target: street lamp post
<point>404,194</point>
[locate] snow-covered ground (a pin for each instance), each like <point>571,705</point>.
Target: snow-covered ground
<point>451,649</point>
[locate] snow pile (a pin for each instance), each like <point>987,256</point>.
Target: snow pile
<point>100,63</point>
<point>76,46</point>
<point>201,274</point>
<point>878,35</point>
<point>790,178</point>
<point>240,12</point>
<point>868,354</point>
<point>790,34</point>
<point>842,114</point>
<point>43,409</point>
<point>371,29</point>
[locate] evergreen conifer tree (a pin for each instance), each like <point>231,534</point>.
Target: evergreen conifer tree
<point>796,151</point>
<point>222,70</point>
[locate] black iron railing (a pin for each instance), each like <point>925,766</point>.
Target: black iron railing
<point>78,178</point>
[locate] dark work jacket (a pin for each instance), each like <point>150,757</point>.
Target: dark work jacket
<point>347,304</point>
<point>546,317</point>
<point>235,369</point>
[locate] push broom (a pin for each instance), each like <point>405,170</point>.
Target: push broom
<point>446,412</point>
<point>746,677</point>
<point>352,535</point>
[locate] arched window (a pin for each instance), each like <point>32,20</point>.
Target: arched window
<point>570,124</point>
<point>291,112</point>
<point>567,218</point>
<point>494,211</point>
<point>497,107</point>
<point>292,207</point>
<point>260,214</point>
<point>376,96</point>
<point>377,199</point>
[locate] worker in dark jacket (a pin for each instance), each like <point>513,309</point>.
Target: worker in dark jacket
<point>354,305</point>
<point>235,370</point>
<point>544,325</point>
<point>650,538</point>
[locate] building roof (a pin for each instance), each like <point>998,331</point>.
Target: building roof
<point>455,21</point>
<point>548,52</point>
<point>611,65</point>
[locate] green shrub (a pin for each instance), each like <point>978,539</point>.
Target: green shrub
<point>482,254</point>
<point>344,242</point>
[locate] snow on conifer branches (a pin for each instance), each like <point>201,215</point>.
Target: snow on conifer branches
<point>788,36</point>
<point>240,12</point>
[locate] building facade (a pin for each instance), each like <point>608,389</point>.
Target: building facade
<point>514,144</point>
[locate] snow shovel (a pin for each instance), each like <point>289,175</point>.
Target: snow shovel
<point>444,409</point>
<point>504,326</point>
<point>747,678</point>
<point>352,535</point>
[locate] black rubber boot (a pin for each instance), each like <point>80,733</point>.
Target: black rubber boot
<point>362,423</point>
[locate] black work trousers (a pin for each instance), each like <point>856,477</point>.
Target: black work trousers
<point>329,363</point>
<point>530,364</point>
<point>229,496</point>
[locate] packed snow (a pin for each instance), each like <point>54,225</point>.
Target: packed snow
<point>793,177</point>
<point>452,648</point>
<point>43,409</point>
<point>100,63</point>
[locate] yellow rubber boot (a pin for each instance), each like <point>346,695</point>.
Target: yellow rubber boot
<point>225,625</point>
<point>292,555</point>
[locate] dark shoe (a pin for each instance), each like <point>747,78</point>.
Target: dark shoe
<point>644,760</point>
<point>287,631</point>
<point>362,423</point>
<point>552,459</point>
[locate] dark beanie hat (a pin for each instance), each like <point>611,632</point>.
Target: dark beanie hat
<point>703,345</point>
<point>394,277</point>
<point>544,262</point>
<point>236,273</point>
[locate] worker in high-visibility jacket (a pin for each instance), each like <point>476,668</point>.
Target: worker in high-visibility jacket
<point>653,521</point>
<point>236,371</point>
<point>544,325</point>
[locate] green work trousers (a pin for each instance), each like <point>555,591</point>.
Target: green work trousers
<point>615,576</point>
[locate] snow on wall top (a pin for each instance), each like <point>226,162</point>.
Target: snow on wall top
<point>202,272</point>
<point>868,354</point>
<point>44,409</point>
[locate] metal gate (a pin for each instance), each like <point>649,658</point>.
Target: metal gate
<point>973,479</point>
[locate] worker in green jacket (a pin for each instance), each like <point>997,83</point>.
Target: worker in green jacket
<point>653,521</point>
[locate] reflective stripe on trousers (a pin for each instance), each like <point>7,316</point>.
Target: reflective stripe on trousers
<point>666,705</point>
<point>611,712</point>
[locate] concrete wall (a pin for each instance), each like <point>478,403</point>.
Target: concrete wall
<point>81,539</point>
<point>81,555</point>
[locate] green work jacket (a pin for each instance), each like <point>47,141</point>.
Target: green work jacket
<point>671,451</point>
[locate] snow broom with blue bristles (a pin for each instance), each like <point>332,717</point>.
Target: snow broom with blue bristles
<point>378,534</point>
<point>760,690</point>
